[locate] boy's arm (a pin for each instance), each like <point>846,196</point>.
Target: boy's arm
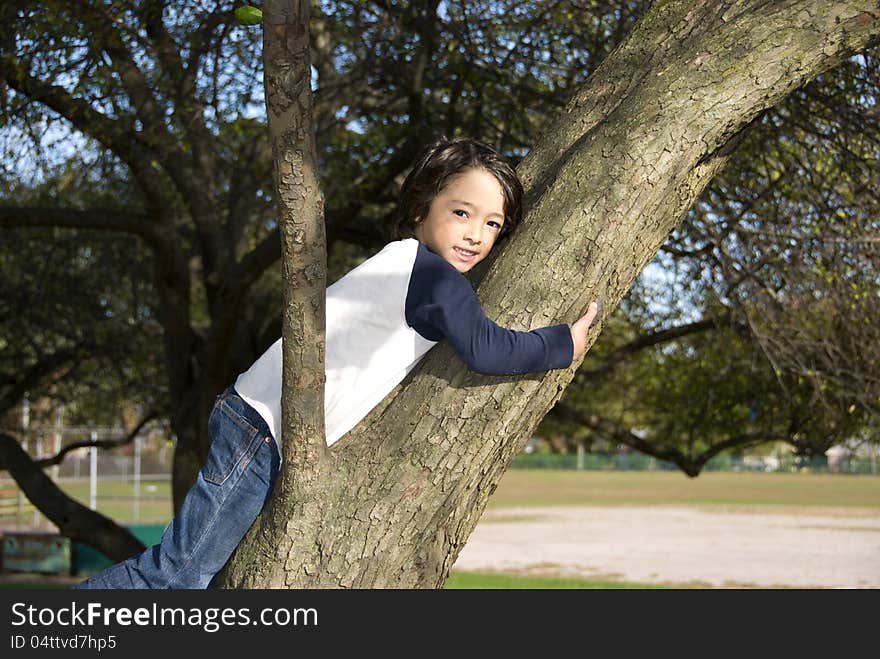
<point>441,304</point>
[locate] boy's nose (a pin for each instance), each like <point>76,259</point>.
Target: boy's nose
<point>474,234</point>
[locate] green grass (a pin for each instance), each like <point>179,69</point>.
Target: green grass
<point>847,494</point>
<point>477,580</point>
<point>851,495</point>
<point>154,507</point>
<point>458,580</point>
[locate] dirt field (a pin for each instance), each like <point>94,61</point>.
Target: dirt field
<point>680,545</point>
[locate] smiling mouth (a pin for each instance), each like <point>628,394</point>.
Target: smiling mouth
<point>465,254</point>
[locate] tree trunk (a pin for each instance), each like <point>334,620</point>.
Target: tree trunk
<point>398,497</point>
<point>304,267</point>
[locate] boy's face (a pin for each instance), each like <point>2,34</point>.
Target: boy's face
<point>464,219</point>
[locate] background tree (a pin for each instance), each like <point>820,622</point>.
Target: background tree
<point>76,318</point>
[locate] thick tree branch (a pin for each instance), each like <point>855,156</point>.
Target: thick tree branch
<point>605,185</point>
<point>118,135</point>
<point>102,219</point>
<point>72,518</point>
<point>193,174</point>
<point>303,240</point>
<point>301,491</point>
<point>115,134</point>
<point>56,366</point>
<point>167,50</point>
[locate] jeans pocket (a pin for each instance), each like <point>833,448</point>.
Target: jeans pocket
<point>233,439</point>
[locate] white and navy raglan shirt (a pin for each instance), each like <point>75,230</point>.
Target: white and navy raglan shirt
<point>382,317</point>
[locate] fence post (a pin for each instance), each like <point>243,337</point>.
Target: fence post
<point>59,412</point>
<point>39,454</point>
<point>137,477</point>
<point>93,473</point>
<point>25,422</point>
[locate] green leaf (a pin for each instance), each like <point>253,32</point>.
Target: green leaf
<point>248,15</point>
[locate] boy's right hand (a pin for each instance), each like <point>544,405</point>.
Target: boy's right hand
<point>579,330</point>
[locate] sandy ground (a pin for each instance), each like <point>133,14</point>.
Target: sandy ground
<point>674,545</point>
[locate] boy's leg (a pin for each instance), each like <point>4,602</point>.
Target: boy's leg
<point>229,493</point>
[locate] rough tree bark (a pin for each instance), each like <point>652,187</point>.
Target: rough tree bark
<point>304,264</point>
<point>395,501</point>
<point>303,240</point>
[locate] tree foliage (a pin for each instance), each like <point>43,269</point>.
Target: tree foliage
<point>77,317</point>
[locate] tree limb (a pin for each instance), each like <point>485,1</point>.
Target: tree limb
<point>103,444</point>
<point>117,135</point>
<point>103,219</point>
<point>133,80</point>
<point>72,518</point>
<point>646,341</point>
<point>689,464</point>
<point>303,241</point>
<point>57,365</point>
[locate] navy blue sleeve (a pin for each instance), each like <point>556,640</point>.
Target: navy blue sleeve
<point>440,303</point>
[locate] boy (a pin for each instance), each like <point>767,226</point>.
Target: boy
<point>382,317</point>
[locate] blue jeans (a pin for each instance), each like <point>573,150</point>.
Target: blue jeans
<point>231,489</point>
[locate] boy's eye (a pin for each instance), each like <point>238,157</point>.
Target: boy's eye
<point>494,224</point>
<point>458,210</point>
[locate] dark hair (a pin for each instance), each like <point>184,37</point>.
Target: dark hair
<point>441,161</point>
